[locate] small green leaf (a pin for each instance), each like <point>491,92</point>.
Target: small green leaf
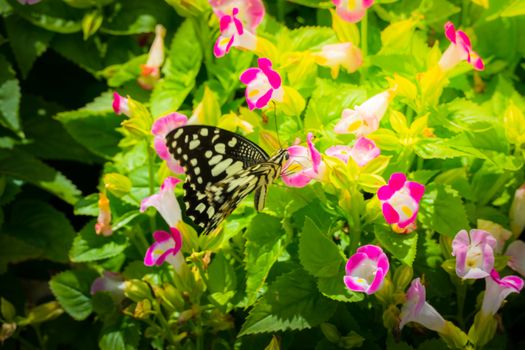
<point>8,310</point>
<point>222,280</point>
<point>264,244</point>
<point>180,70</point>
<point>402,246</point>
<point>9,96</point>
<point>14,250</point>
<point>91,23</point>
<point>88,246</point>
<point>72,288</point>
<point>291,303</point>
<point>42,313</point>
<point>318,254</point>
<point>120,334</point>
<point>87,205</point>
<point>52,15</point>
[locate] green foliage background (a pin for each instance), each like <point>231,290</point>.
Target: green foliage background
<point>276,276</point>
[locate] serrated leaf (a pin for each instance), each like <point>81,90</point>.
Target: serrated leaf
<point>121,334</point>
<point>222,280</point>
<point>291,303</point>
<point>180,70</point>
<point>88,246</point>
<point>14,250</point>
<point>72,288</point>
<point>264,244</point>
<point>23,166</point>
<point>402,246</point>
<point>52,15</point>
<point>318,254</point>
<point>449,213</point>
<point>335,288</point>
<point>94,126</point>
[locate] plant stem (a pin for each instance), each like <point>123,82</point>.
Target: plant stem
<point>280,10</point>
<point>461,290</point>
<point>151,183</point>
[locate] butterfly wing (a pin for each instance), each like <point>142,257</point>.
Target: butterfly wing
<point>209,155</point>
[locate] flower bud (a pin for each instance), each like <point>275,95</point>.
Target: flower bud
<point>137,290</point>
<point>403,276</point>
<point>330,332</point>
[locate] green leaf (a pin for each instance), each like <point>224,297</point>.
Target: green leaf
<point>264,244</point>
<point>9,96</point>
<point>43,227</point>
<point>88,246</point>
<point>180,70</point>
<point>445,209</point>
<point>52,15</point>
<point>72,290</point>
<point>222,280</point>
<point>8,310</point>
<point>14,250</point>
<point>87,205</point>
<point>322,4</point>
<point>308,38</point>
<point>27,42</point>
<point>402,246</point>
<point>42,313</point>
<point>291,303</point>
<point>328,101</point>
<point>123,334</point>
<point>335,288</point>
<point>319,255</point>
<point>137,16</point>
<point>86,54</point>
<point>94,126</point>
<point>39,125</point>
<point>23,166</point>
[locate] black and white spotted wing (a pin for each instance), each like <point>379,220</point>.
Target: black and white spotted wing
<point>221,169</point>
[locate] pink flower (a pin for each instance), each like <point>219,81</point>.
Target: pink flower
<point>233,34</point>
<point>516,252</point>
<point>497,290</point>
<point>166,247</point>
<point>517,212</point>
<point>304,164</point>
<point>474,253</point>
<point>366,269</point>
<point>362,152</point>
<point>103,225</point>
<point>352,10</point>
<point>344,55</point>
<point>400,200</point>
<point>165,202</point>
<point>416,309</point>
<point>251,12</point>
<point>120,105</point>
<point>500,234</point>
<point>111,282</point>
<point>150,72</point>
<point>263,84</point>
<point>161,127</point>
<point>459,49</point>
<point>364,119</point>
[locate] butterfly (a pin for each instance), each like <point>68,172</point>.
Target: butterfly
<point>222,168</point>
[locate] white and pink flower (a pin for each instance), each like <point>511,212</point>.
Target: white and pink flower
<point>362,152</point>
<point>166,247</point>
<point>364,119</point>
<point>516,254</point>
<point>150,72</point>
<point>251,12</point>
<point>304,164</point>
<point>474,252</point>
<point>262,84</point>
<point>344,55</point>
<point>366,269</point>
<point>161,127</point>
<point>165,202</point>
<point>233,34</point>
<point>120,105</point>
<point>460,49</point>
<point>497,289</point>
<point>352,10</point>
<point>103,225</point>
<point>416,309</point>
<point>400,200</point>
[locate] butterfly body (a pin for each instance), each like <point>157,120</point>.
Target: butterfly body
<point>222,168</point>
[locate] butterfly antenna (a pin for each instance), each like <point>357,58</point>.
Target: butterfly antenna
<point>275,123</point>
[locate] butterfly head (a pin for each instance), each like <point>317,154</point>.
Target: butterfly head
<point>280,157</point>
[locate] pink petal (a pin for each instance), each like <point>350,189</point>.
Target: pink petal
<point>161,236</point>
<point>397,181</point>
<point>350,284</point>
<point>162,126</point>
<point>264,99</point>
<point>385,193</point>
<point>296,180</point>
<point>377,282</point>
<point>391,216</point>
<point>249,75</point>
<point>314,153</point>
<point>416,190</point>
<point>450,32</point>
<point>224,22</point>
<point>355,261</point>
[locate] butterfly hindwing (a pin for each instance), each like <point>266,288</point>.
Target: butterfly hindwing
<point>210,155</point>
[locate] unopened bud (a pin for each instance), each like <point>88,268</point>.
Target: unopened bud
<point>330,332</point>
<point>137,290</point>
<point>402,277</point>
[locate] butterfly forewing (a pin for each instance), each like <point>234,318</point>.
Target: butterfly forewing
<point>214,159</point>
